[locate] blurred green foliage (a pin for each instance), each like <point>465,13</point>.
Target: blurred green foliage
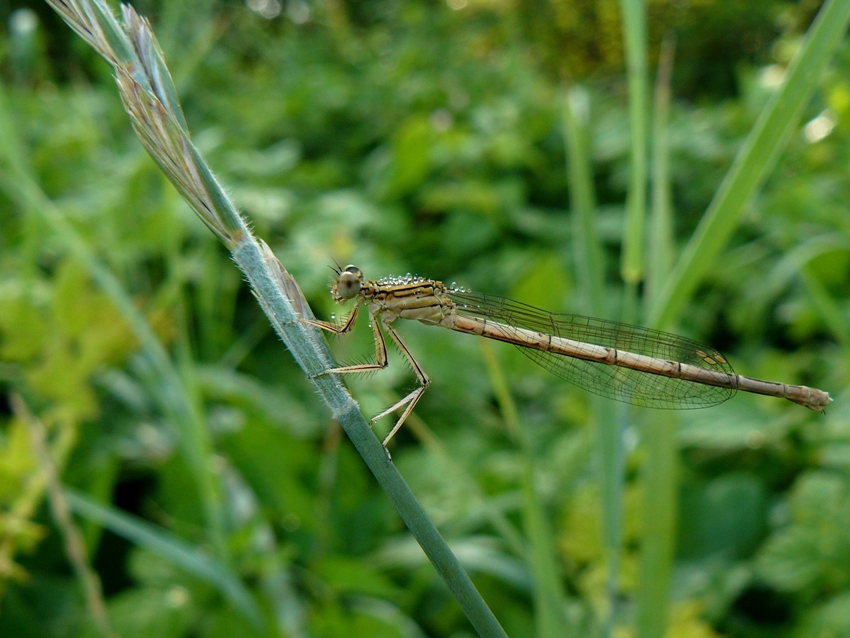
<point>410,137</point>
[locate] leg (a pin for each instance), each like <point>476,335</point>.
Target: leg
<point>380,344</point>
<point>411,399</point>
<point>334,328</point>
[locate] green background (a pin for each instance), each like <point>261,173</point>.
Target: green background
<point>426,138</point>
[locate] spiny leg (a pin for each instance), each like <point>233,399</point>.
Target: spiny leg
<point>335,328</point>
<point>380,343</point>
<point>411,399</point>
<point>380,363</point>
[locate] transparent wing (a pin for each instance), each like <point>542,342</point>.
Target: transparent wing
<point>615,382</point>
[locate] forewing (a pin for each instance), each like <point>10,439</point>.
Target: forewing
<point>615,382</point>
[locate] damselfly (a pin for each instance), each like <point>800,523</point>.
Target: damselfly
<point>623,362</point>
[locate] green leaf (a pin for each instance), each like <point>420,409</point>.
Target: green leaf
<point>725,517</point>
<point>755,160</point>
<point>791,559</point>
<point>812,553</point>
<point>173,549</point>
<point>149,613</point>
<point>828,620</point>
<point>351,576</point>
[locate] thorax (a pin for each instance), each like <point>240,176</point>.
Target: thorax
<point>422,300</point>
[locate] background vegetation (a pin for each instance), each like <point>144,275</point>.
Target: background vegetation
<point>429,138</point>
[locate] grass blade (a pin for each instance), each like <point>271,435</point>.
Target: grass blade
<point>754,161</point>
<point>549,596</point>
<point>659,479</point>
<point>634,32</point>
<point>660,484</point>
<point>660,258</point>
<point>176,551</point>
<point>585,247</point>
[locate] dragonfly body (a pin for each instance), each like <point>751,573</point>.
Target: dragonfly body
<point>627,363</point>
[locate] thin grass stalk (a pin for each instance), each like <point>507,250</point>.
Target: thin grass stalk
<point>589,265</point>
<point>150,99</point>
<point>612,421</point>
<point>754,162</point>
<point>660,257</point>
<point>634,33</point>
<point>549,594</point>
<point>659,479</point>
<point>75,547</point>
<point>609,419</point>
<point>585,247</point>
<point>23,509</point>
<point>659,507</point>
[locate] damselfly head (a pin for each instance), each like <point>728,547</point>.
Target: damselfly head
<point>347,284</point>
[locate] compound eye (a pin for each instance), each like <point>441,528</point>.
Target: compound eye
<point>349,283</point>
